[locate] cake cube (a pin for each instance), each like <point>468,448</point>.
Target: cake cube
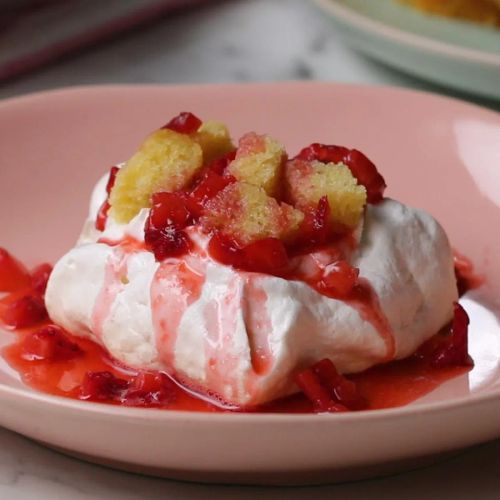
<point>214,139</point>
<point>308,181</point>
<point>246,214</point>
<point>166,161</point>
<point>259,161</point>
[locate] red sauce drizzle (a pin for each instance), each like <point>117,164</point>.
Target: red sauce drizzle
<point>258,325</point>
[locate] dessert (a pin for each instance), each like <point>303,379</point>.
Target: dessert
<point>243,276</point>
<point>481,11</point>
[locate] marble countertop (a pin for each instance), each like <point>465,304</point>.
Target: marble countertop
<point>230,41</point>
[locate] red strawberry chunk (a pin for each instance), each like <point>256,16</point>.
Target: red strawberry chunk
<point>448,349</point>
<point>169,209</point>
<point>319,396</point>
<point>27,311</point>
<point>102,386</point>
<point>225,251</point>
<point>184,123</point>
<point>454,350</point>
<point>167,242</point>
<point>265,256</point>
<point>344,390</point>
<point>327,390</point>
<point>361,167</point>
<point>13,275</point>
<point>40,277</point>
<point>209,185</point>
<point>210,182</point>
<point>150,389</point>
<point>102,215</point>
<point>163,231</point>
<point>367,174</point>
<point>50,344</point>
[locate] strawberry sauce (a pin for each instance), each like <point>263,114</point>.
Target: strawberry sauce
<point>386,386</point>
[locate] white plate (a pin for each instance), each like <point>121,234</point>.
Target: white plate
<point>457,54</point>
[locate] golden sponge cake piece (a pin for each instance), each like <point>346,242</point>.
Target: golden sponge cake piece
<point>246,213</point>
<point>308,181</point>
<point>214,139</point>
<point>259,161</point>
<point>166,161</point>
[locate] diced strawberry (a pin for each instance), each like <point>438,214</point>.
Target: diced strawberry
<point>102,215</point>
<point>184,123</point>
<point>169,209</point>
<point>13,275</point>
<point>265,256</point>
<point>367,174</point>
<point>314,390</point>
<point>361,167</point>
<point>451,348</point>
<point>27,311</point>
<point>328,390</point>
<point>102,386</point>
<point>167,242</point>
<point>344,390</point>
<point>339,278</point>
<point>50,344</point>
<point>454,350</point>
<point>163,231</point>
<point>209,185</point>
<point>222,249</point>
<point>150,389</point>
<point>40,277</point>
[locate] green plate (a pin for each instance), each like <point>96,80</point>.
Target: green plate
<point>457,54</point>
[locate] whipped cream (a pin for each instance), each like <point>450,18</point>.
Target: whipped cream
<point>242,335</point>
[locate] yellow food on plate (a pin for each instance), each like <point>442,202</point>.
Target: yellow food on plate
<point>165,161</point>
<point>259,161</point>
<point>481,11</point>
<point>307,182</point>
<point>214,139</point>
<point>247,214</point>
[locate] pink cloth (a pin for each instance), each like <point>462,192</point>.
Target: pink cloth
<point>36,32</point>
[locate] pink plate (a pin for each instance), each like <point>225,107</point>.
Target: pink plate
<point>439,154</point>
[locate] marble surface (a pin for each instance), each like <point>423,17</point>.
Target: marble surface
<point>227,41</point>
<point>230,41</point>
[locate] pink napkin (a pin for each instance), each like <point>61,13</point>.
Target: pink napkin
<point>36,32</point>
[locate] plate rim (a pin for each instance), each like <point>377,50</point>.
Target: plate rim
<point>56,92</point>
<point>354,18</point>
<point>107,410</point>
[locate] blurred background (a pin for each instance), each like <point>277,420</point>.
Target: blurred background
<point>54,43</point>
